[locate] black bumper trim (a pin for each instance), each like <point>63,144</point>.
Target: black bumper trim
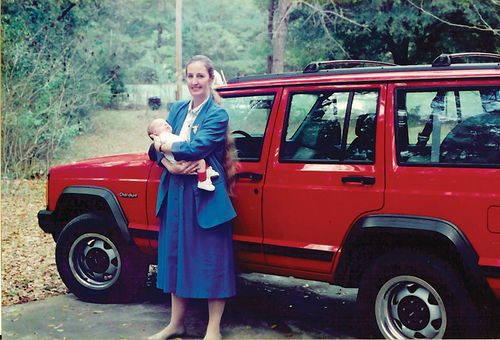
<point>46,221</point>
<point>145,234</point>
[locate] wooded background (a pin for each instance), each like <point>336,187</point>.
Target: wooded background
<point>63,61</point>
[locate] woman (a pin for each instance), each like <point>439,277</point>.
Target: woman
<point>195,254</point>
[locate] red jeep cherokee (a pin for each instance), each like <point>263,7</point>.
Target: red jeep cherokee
<point>383,177</point>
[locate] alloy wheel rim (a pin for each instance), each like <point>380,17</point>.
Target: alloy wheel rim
<point>409,307</point>
<point>94,261</point>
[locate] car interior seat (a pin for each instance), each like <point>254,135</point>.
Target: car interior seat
<point>474,140</point>
<point>363,146</point>
<point>319,139</point>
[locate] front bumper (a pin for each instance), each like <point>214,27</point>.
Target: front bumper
<point>46,221</point>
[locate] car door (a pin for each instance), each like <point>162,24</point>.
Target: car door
<point>447,158</point>
<point>324,171</point>
<point>251,122</point>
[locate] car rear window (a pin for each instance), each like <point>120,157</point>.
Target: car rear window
<point>449,126</point>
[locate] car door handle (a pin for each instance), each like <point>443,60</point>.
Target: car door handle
<point>254,177</point>
<point>359,179</point>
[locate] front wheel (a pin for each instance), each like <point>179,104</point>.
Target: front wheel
<point>95,264</point>
<point>409,295</point>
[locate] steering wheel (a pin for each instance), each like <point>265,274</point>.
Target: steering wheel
<point>243,147</point>
<point>241,132</point>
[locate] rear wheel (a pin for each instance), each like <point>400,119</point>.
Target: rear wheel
<point>409,295</point>
<point>95,264</point>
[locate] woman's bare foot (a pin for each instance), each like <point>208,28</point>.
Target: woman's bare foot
<point>168,333</point>
<point>212,336</point>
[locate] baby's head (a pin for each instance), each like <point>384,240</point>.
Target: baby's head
<point>158,126</point>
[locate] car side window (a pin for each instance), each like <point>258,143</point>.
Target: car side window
<point>330,126</point>
<point>449,126</point>
<point>248,117</point>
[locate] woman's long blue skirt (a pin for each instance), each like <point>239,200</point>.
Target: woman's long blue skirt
<point>193,262</point>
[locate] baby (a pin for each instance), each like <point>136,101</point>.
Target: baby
<point>159,127</point>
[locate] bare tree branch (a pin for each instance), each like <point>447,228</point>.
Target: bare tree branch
<point>65,12</point>
<point>327,16</point>
<point>319,9</point>
<point>485,28</point>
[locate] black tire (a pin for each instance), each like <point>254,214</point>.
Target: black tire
<point>413,295</point>
<point>94,262</point>
<point>55,236</point>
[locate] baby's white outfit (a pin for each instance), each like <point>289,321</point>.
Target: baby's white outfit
<point>174,138</point>
<point>205,185</point>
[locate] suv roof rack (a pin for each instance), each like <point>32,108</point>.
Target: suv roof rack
<point>336,64</point>
<point>447,59</point>
<point>353,67</point>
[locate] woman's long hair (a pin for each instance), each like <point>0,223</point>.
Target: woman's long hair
<point>229,157</point>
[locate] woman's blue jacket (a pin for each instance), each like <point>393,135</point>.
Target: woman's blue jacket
<point>208,137</point>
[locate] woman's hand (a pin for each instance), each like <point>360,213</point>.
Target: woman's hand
<point>156,141</point>
<point>181,167</point>
<point>165,147</point>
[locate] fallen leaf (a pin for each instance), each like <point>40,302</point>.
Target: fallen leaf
<point>27,252</point>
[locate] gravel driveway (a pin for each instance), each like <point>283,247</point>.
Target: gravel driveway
<point>266,306</point>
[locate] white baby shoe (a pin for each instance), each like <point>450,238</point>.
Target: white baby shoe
<point>211,172</point>
<point>206,184</point>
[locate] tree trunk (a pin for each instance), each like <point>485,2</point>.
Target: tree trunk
<point>399,50</point>
<point>278,41</point>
